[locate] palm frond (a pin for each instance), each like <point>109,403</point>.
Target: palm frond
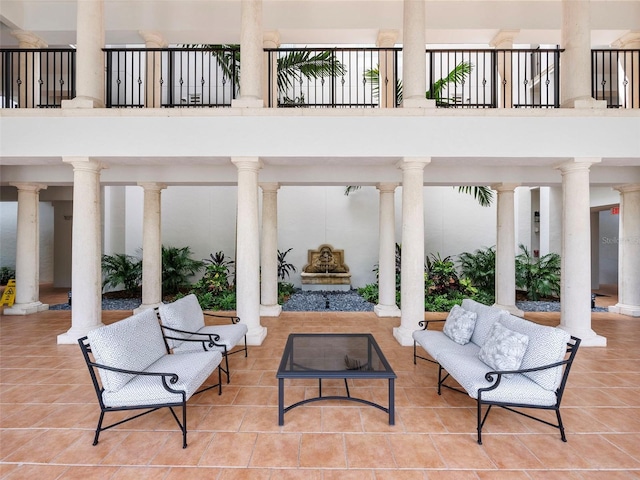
<point>227,57</point>
<point>296,65</point>
<point>484,195</point>
<point>351,188</point>
<point>456,76</point>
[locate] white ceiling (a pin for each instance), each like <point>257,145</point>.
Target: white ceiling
<point>316,21</point>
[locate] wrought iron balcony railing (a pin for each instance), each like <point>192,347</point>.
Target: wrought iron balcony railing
<point>315,77</point>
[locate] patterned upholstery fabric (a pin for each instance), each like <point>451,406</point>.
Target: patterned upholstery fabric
<point>192,370</point>
<point>487,316</point>
<point>470,371</point>
<point>131,344</point>
<point>459,325</point>
<point>546,345</point>
<point>435,342</point>
<point>503,349</point>
<point>183,314</point>
<point>230,335</point>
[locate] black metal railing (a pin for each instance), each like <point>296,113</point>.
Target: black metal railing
<point>36,78</point>
<point>171,77</point>
<point>615,77</point>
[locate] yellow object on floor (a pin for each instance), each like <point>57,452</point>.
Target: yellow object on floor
<point>9,294</point>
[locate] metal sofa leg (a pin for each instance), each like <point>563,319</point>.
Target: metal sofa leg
<point>98,429</point>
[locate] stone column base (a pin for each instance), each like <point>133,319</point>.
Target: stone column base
<point>25,308</point>
<point>512,309</point>
<point>403,336</point>
<point>256,336</point>
<point>623,309</point>
<point>418,103</point>
<point>386,310</point>
<point>588,338</point>
<point>146,306</point>
<point>247,102</point>
<point>587,102</point>
<point>71,336</point>
<point>270,310</point>
<point>82,102</point>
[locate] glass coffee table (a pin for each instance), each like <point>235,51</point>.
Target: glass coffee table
<point>334,355</point>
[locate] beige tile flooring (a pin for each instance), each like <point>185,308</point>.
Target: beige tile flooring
<point>48,411</point>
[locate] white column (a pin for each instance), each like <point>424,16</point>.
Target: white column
<point>387,68</point>
<point>630,63</point>
<point>575,61</point>
<point>153,72</point>
<point>269,306</point>
<point>27,252</point>
<point>412,263</point>
<point>504,41</point>
<point>575,288</point>
<point>506,249</point>
<point>629,252</point>
<point>151,246</point>
<point>89,56</point>
<point>29,91</point>
<point>86,272</point>
<point>251,54</point>
<point>270,68</point>
<point>386,306</point>
<point>248,249</point>
<point>414,58</point>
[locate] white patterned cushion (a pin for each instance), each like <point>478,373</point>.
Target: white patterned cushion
<point>435,343</point>
<point>547,345</point>
<point>230,336</point>
<point>183,314</point>
<point>131,344</point>
<point>459,325</point>
<point>504,348</point>
<point>487,316</point>
<point>192,370</point>
<point>469,372</point>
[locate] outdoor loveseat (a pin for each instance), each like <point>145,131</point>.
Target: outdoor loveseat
<point>499,359</point>
<point>135,372</point>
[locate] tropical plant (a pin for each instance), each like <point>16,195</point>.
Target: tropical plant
<point>219,259</point>
<point>285,290</point>
<point>539,277</point>
<point>177,267</point>
<point>6,274</point>
<point>284,268</point>
<point>441,275</point>
<point>370,292</point>
<point>480,268</point>
<point>121,269</point>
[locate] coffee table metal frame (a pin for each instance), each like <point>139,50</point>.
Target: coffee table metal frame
<point>290,369</point>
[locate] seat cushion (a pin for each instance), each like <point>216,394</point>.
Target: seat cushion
<point>547,345</point>
<point>460,324</point>
<point>469,372</point>
<point>192,370</point>
<point>230,336</point>
<point>131,344</point>
<point>183,314</point>
<point>434,342</point>
<point>487,316</point>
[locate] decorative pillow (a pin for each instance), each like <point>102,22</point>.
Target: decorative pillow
<point>459,325</point>
<point>504,348</point>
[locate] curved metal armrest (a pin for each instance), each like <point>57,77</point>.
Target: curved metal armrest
<point>489,375</point>
<point>233,318</point>
<point>211,338</point>
<point>425,323</point>
<point>173,377</point>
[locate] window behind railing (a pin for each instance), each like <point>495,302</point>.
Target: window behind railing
<point>36,78</point>
<point>171,77</point>
<point>616,77</point>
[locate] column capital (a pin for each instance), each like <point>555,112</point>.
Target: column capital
<point>152,185</point>
<point>504,187</point>
<point>504,39</point>
<point>387,38</point>
<point>628,40</point>
<point>28,39</point>
<point>577,164</point>
<point>413,163</point>
<point>29,187</point>
<point>84,163</point>
<point>387,187</point>
<point>269,187</point>
<point>153,39</point>
<point>631,187</point>
<point>271,39</point>
<point>247,163</point>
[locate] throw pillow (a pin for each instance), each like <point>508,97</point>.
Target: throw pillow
<point>459,325</point>
<point>504,348</point>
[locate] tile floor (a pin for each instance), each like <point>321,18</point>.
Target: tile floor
<point>48,412</point>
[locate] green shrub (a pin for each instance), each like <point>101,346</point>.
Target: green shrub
<point>285,290</point>
<point>6,274</point>
<point>539,277</point>
<point>121,269</point>
<point>284,268</point>
<point>480,268</point>
<point>443,302</point>
<point>177,267</point>
<point>369,292</point>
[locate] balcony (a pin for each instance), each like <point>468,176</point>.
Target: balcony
<point>315,78</point>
